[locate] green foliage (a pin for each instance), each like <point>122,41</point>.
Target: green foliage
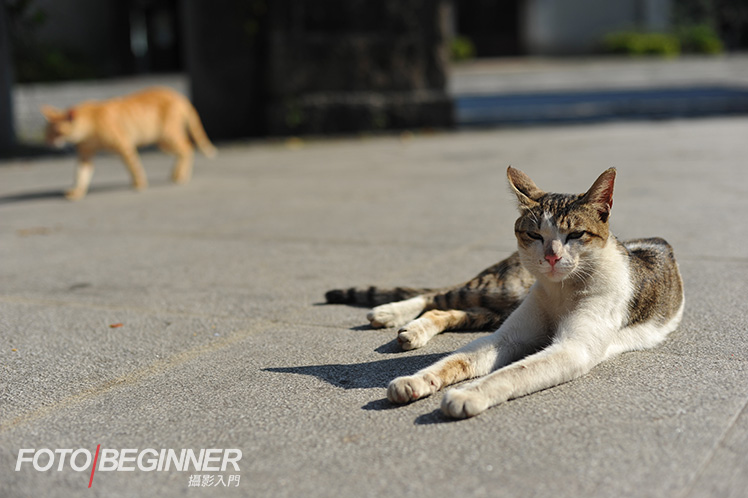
<point>379,119</point>
<point>24,15</point>
<point>43,63</point>
<point>728,17</point>
<point>641,43</point>
<point>700,39</point>
<point>461,48</point>
<point>34,61</point>
<point>294,115</point>
<point>694,39</point>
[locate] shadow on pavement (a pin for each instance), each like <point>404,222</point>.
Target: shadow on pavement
<point>432,418</point>
<point>435,417</point>
<point>32,196</point>
<point>363,375</point>
<point>60,194</point>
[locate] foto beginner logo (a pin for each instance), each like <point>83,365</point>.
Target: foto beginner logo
<point>131,460</point>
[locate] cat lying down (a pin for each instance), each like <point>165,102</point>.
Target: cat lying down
<point>571,297</point>
<point>157,116</point>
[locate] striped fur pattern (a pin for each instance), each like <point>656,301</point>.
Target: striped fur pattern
<point>571,297</point>
<point>481,303</point>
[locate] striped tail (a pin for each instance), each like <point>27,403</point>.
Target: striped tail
<point>371,296</point>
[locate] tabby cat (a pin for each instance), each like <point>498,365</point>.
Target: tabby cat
<point>571,297</point>
<point>153,116</point>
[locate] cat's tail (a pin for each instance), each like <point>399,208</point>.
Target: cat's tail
<point>371,296</point>
<point>195,126</point>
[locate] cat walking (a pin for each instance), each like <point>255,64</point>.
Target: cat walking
<point>571,297</point>
<point>156,115</point>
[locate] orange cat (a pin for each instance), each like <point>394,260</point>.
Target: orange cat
<point>153,116</point>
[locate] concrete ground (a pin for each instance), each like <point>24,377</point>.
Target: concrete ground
<point>190,317</point>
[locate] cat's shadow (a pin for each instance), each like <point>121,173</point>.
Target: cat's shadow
<point>373,374</point>
<point>32,196</point>
<point>435,417</point>
<point>57,194</point>
<point>366,375</point>
<point>432,418</point>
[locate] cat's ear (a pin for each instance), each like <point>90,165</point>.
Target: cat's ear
<point>600,194</point>
<point>527,192</point>
<point>52,113</point>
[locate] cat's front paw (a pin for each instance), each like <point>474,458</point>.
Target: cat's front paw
<point>385,316</point>
<point>464,403</point>
<point>406,389</point>
<point>415,334</point>
<point>75,194</point>
<point>140,184</point>
<point>181,176</point>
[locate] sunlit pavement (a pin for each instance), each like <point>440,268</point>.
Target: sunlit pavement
<point>190,317</point>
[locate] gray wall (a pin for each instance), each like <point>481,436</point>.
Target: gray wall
<point>317,66</point>
<point>557,27</point>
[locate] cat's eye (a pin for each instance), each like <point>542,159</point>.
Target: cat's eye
<point>574,235</point>
<point>534,235</point>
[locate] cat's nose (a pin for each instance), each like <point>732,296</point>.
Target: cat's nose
<point>552,259</point>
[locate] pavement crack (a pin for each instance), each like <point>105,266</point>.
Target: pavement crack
<point>129,379</point>
<point>690,487</point>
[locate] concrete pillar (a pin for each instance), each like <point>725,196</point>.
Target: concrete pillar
<point>338,66</point>
<point>285,67</point>
<point>224,53</point>
<point>7,132</point>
